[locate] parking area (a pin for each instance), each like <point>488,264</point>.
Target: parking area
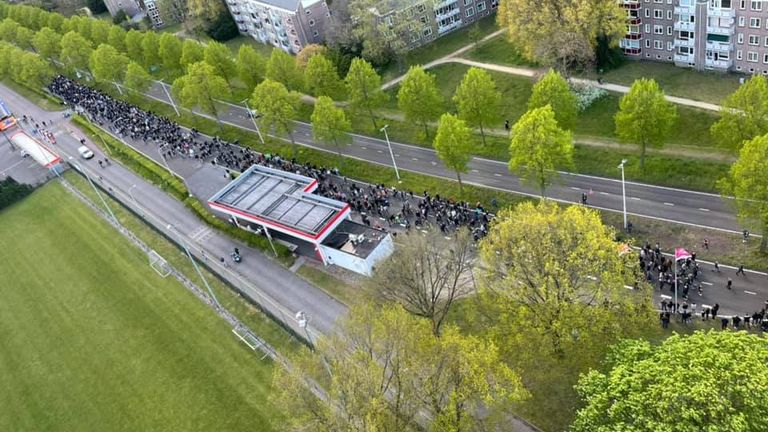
<point>22,169</point>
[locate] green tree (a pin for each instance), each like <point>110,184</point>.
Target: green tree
<point>553,90</point>
<point>747,180</point>
<point>133,45</point>
<point>322,78</point>
<point>645,117</point>
<point>150,49</point>
<point>99,32</point>
<point>477,99</point>
<point>46,42</point>
<point>191,52</point>
<point>539,148</point>
<point>55,21</point>
<point>386,371</point>
<point>107,64</point>
<point>137,78</point>
<point>453,143</point>
<point>35,72</point>
<point>427,274</point>
<point>8,29</point>
<point>282,67</point>
<point>220,57</point>
<point>330,124</point>
<point>75,50</point>
<point>277,107</point>
<point>419,97</point>
<point>116,38</point>
<point>169,47</point>
<point>200,87</point>
<point>556,274</point>
<point>725,376</point>
<point>744,114</point>
<point>250,66</point>
<point>83,27</point>
<point>24,38</point>
<point>364,88</point>
<point>306,53</point>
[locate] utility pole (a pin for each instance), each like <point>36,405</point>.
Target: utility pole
<point>392,155</point>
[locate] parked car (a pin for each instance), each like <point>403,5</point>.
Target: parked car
<point>85,152</point>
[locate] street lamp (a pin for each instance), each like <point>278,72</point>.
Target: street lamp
<point>623,191</point>
<point>253,119</point>
<point>392,155</point>
<point>303,321</point>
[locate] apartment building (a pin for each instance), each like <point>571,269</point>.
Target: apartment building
<point>718,35</point>
<point>286,24</point>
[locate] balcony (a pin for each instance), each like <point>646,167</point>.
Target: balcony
<point>684,58</point>
<point>631,51</point>
<point>685,10</point>
<point>447,14</point>
<point>685,42</point>
<point>718,46</point>
<point>633,36</point>
<point>630,4</point>
<point>720,30</point>
<point>634,21</point>
<point>717,64</point>
<point>445,3</point>
<point>449,27</point>
<point>723,13</point>
<point>684,26</point>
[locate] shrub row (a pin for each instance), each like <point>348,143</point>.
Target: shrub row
<point>12,191</point>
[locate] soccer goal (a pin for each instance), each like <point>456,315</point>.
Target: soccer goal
<point>250,339</point>
<point>159,264</point>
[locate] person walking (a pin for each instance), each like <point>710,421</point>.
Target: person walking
<point>706,244</point>
<point>717,267</point>
<point>730,284</point>
<point>740,271</point>
<point>714,310</point>
<point>506,125</point>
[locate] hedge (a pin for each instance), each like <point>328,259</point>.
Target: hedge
<point>12,191</point>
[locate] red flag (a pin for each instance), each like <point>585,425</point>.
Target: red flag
<point>681,254</point>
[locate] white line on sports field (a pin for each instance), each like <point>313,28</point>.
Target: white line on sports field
<point>668,204</point>
<point>750,292</point>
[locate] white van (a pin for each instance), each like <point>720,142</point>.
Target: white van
<point>85,152</point>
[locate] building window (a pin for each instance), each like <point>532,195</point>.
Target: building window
<point>657,44</point>
<point>669,14</point>
<point>467,2</point>
<point>670,46</point>
<point>741,21</point>
<point>756,5</point>
<point>481,6</point>
<point>309,11</point>
<point>315,33</point>
<point>659,30</point>
<point>740,38</point>
<point>421,8</point>
<point>754,40</point>
<point>658,14</point>
<point>647,28</point>
<point>742,4</point>
<point>469,11</point>
<point>766,41</point>
<point>311,23</point>
<point>754,22</point>
<point>427,31</point>
<point>647,13</point>
<point>647,43</point>
<point>423,19</point>
<point>669,30</point>
<point>765,58</point>
<point>739,56</point>
<point>752,56</point>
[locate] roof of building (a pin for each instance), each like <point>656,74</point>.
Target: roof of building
<point>280,200</point>
<point>37,150</point>
<point>354,238</point>
<point>288,5</point>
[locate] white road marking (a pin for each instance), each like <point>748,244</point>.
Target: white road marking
<point>706,306</point>
<point>575,188</point>
<point>604,193</point>
<point>476,171</point>
<point>434,163</point>
<point>664,296</point>
<point>414,159</point>
<point>364,147</point>
<point>668,204</point>
<point>703,209</point>
<point>707,283</point>
<point>497,174</point>
<point>634,198</point>
<point>380,151</point>
<point>397,155</point>
<point>750,292</point>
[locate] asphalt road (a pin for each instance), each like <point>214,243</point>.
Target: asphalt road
<point>654,202</point>
<point>270,284</point>
<point>293,293</point>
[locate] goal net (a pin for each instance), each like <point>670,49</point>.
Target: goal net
<point>159,264</point>
<point>250,339</point>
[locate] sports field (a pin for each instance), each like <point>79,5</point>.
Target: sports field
<point>92,339</point>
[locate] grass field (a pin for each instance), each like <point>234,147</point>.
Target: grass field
<point>93,339</point>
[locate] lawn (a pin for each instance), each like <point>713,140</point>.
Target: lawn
<point>93,339</point>
<point>710,87</point>
<point>498,50</point>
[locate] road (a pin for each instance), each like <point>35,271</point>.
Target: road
<point>270,284</point>
<point>654,202</point>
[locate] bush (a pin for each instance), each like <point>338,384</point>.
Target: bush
<point>222,28</point>
<point>12,191</point>
<point>96,6</point>
<point>587,94</point>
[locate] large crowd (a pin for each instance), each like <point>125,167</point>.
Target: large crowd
<point>378,206</point>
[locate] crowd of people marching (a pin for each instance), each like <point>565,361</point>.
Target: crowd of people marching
<point>378,206</point>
